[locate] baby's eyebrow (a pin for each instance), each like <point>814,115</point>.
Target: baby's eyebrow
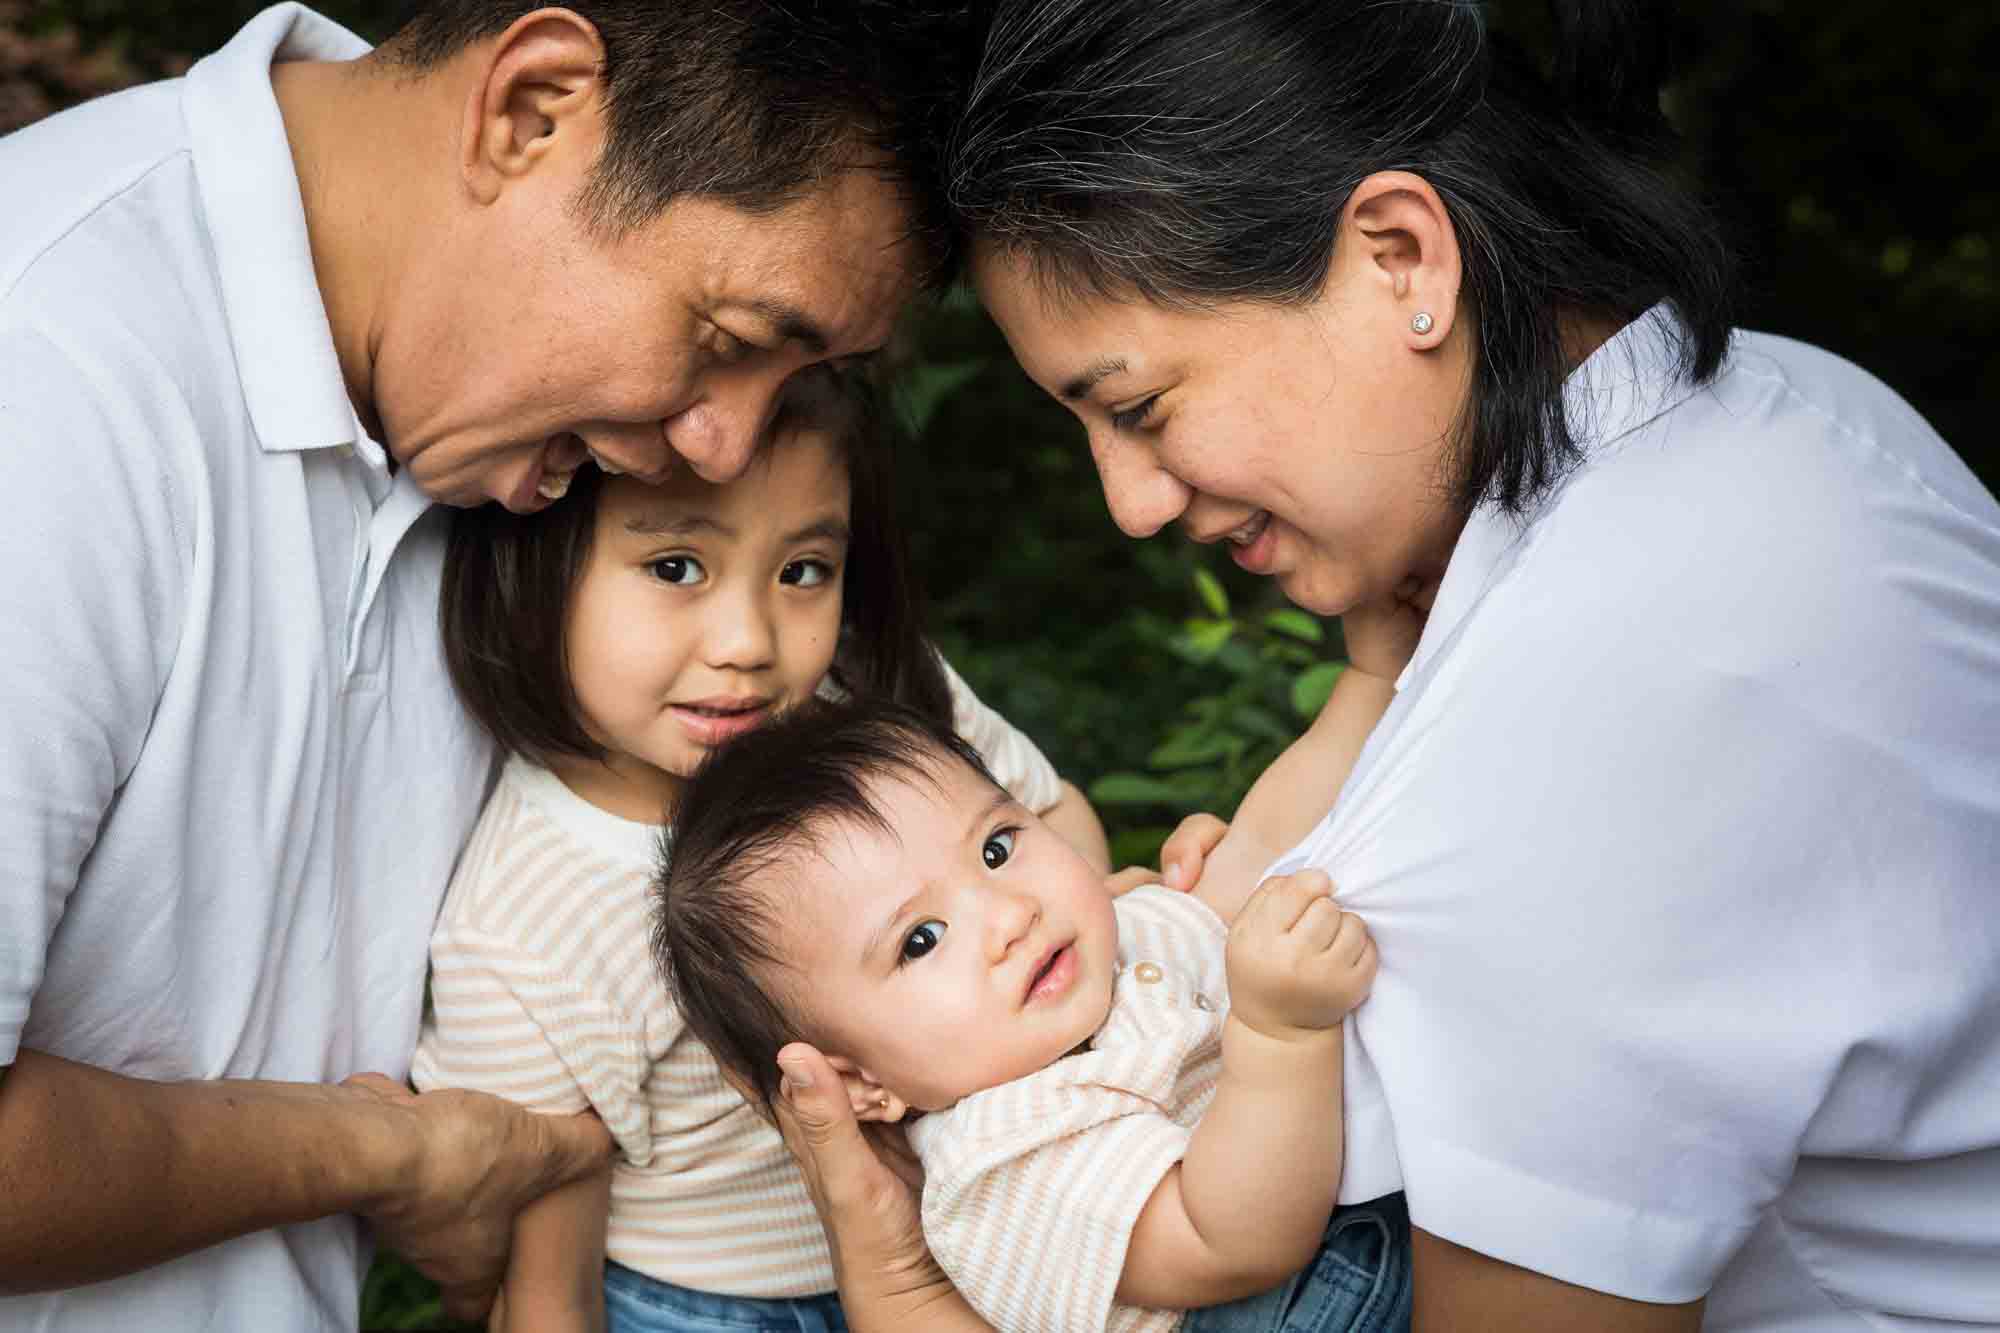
<point>874,944</point>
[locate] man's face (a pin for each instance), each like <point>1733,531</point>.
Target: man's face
<point>534,343</point>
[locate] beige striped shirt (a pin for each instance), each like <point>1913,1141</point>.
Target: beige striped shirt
<point>543,991</point>
<point>1031,1189</point>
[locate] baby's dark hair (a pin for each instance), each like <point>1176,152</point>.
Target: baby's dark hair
<point>508,578</point>
<point>760,805</point>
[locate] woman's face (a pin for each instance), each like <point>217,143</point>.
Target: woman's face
<point>1311,438</point>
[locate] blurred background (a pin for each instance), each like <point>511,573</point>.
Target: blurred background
<point>1851,146</point>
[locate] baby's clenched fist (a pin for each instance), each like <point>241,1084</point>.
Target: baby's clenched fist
<point>1297,963</point>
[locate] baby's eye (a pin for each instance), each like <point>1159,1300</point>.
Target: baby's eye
<point>922,940</point>
<point>806,573</point>
<point>680,569</point>
<point>998,849</point>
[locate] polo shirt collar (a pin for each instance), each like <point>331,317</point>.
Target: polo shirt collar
<point>285,356</point>
<point>1627,383</point>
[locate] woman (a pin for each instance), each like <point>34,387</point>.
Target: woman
<point>1678,843</point>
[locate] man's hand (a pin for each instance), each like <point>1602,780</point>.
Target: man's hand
<point>474,1162</point>
<point>866,1186</point>
<point>1297,963</point>
<point>1182,858</point>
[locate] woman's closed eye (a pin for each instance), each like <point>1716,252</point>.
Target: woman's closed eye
<point>681,570</point>
<point>923,938</point>
<point>998,848</point>
<point>806,573</point>
<point>1135,416</point>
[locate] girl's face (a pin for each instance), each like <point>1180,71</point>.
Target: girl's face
<point>703,611</point>
<point>1310,438</point>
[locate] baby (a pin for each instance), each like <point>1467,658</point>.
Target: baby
<point>1126,1109</point>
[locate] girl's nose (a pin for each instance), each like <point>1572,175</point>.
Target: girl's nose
<point>1143,496</point>
<point>740,635</point>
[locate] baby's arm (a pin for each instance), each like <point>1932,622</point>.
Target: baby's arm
<point>555,1270</point>
<point>1296,791</point>
<point>1246,1206</point>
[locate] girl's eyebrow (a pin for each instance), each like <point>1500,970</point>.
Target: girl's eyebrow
<point>677,525</point>
<point>831,528</point>
<point>1093,374</point>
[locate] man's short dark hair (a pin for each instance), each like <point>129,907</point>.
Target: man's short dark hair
<point>508,579</point>
<point>752,102</point>
<point>751,816</point>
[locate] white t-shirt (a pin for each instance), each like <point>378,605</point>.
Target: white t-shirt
<point>233,776</point>
<point>1681,844</point>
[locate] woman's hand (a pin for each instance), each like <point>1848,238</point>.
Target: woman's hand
<point>1182,857</point>
<point>866,1184</point>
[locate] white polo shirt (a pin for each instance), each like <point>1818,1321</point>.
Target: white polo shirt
<point>233,775</point>
<point>1681,844</point>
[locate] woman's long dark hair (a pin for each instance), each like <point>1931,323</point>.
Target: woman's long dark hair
<point>1201,151</point>
<point>508,578</point>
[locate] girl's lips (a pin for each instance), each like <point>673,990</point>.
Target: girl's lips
<point>712,725</point>
<point>1260,556</point>
<point>1055,976</point>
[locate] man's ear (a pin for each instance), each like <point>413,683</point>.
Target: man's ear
<point>538,87</point>
<point>1396,235</point>
<point>870,1100</point>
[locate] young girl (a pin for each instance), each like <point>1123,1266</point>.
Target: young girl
<point>1126,1111</point>
<point>608,644</point>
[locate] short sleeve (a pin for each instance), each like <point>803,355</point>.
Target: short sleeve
<point>91,605</point>
<point>1032,1218</point>
<point>504,1021</point>
<point>1014,760</point>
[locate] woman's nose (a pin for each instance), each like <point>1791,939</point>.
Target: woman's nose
<point>1143,496</point>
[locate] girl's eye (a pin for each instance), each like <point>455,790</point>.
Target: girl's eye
<point>1133,417</point>
<point>922,940</point>
<point>806,573</point>
<point>684,570</point>
<point>729,349</point>
<point>997,849</point>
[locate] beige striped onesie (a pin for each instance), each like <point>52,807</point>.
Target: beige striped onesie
<point>1031,1189</point>
<point>544,992</point>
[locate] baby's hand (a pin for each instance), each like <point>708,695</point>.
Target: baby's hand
<point>1297,963</point>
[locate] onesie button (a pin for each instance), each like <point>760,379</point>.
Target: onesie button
<point>1148,973</point>
<point>1203,1003</point>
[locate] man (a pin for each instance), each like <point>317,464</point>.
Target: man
<point>252,323</point>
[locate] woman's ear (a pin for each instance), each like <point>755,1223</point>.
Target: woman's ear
<point>538,86</point>
<point>1397,238</point>
<point>870,1100</point>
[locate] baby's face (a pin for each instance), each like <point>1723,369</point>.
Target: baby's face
<point>970,947</point>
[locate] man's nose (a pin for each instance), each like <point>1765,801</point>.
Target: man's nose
<point>719,435</point>
<point>1143,496</point>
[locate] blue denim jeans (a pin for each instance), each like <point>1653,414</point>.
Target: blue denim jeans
<point>1359,1282</point>
<point>635,1303</point>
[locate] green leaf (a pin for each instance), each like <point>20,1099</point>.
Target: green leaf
<point>1212,595</point>
<point>1290,620</point>
<point>1187,746</point>
<point>1181,791</point>
<point>1310,690</point>
<point>1203,639</point>
<point>921,392</point>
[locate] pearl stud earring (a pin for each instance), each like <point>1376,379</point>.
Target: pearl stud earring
<point>1420,323</point>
